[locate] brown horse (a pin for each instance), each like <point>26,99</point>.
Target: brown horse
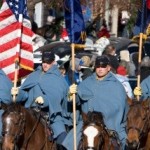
<point>22,129</point>
<point>95,135</point>
<point>138,125</point>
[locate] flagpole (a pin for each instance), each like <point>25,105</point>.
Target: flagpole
<point>17,56</point>
<point>73,69</point>
<point>74,98</point>
<point>140,46</point>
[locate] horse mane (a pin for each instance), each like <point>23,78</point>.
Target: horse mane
<point>17,108</point>
<point>12,107</point>
<point>94,117</point>
<point>135,102</point>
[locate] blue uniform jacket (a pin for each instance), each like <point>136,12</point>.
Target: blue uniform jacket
<point>145,85</point>
<point>53,88</point>
<point>5,88</point>
<point>107,96</point>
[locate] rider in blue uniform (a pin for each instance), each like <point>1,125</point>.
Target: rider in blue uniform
<point>101,92</point>
<point>46,86</point>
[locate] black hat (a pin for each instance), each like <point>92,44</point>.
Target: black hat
<point>102,61</point>
<point>48,56</point>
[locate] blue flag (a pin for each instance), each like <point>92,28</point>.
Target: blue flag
<point>142,21</point>
<point>74,21</point>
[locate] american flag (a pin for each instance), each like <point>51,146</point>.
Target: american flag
<point>15,38</point>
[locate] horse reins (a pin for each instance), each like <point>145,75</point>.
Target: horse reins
<point>34,128</point>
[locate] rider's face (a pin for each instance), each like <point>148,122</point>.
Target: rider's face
<point>46,66</point>
<point>102,71</point>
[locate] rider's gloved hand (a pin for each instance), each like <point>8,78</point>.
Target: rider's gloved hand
<point>72,90</point>
<point>137,91</point>
<point>39,100</point>
<point>14,90</point>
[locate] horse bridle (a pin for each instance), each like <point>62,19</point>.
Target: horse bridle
<point>20,125</point>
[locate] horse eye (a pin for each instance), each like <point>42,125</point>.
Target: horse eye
<point>3,133</point>
<point>144,118</point>
<point>16,123</point>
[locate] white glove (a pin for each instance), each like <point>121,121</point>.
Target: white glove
<point>137,91</point>
<point>73,89</point>
<point>14,90</point>
<point>39,100</point>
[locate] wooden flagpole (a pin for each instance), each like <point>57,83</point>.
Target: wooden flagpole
<point>17,55</point>
<point>139,62</point>
<point>74,99</point>
<point>140,46</point>
<point>15,78</point>
<point>73,69</point>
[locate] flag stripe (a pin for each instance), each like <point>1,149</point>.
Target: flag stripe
<point>7,45</point>
<point>7,55</point>
<point>5,11</point>
<point>10,28</point>
<point>26,55</point>
<point>8,38</point>
<point>8,61</point>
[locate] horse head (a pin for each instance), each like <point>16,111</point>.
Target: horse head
<point>137,123</point>
<point>22,128</point>
<point>92,131</point>
<point>13,125</point>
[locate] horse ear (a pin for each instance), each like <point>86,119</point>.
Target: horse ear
<point>84,117</point>
<point>3,106</point>
<point>129,100</point>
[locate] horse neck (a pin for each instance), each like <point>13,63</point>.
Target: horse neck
<point>30,123</point>
<point>106,139</point>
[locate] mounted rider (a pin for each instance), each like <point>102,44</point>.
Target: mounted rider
<point>101,92</point>
<point>47,87</point>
